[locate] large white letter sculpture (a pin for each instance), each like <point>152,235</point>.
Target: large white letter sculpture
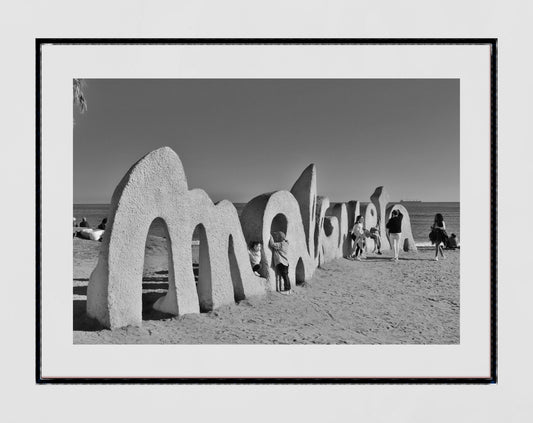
<point>380,198</point>
<point>329,233</point>
<point>304,190</point>
<point>156,187</point>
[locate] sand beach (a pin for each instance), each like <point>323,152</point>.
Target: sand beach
<point>375,301</point>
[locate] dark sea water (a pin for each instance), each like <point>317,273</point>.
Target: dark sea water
<point>421,215</point>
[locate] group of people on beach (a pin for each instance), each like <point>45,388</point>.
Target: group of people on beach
<point>437,236</point>
<point>84,224</point>
<point>359,235</point>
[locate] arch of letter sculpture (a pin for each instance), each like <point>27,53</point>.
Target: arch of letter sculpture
<point>156,187</point>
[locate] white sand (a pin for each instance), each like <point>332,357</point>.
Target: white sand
<point>375,301</point>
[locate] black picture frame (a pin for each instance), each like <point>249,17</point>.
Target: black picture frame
<point>492,42</point>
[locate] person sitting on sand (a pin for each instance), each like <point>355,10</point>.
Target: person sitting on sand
<point>438,235</point>
<point>280,251</point>
<point>394,228</point>
<point>358,238</point>
<point>103,224</point>
<point>255,256</point>
<point>84,223</point>
<point>452,242</point>
<point>374,234</point>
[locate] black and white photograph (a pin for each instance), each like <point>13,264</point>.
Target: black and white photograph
<point>269,211</point>
<point>302,199</point>
<point>266,211</point>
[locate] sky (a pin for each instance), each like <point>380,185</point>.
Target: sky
<point>238,138</point>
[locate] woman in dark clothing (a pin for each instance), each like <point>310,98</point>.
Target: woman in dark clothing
<point>394,228</point>
<point>103,224</point>
<point>84,223</point>
<point>452,242</point>
<point>439,236</point>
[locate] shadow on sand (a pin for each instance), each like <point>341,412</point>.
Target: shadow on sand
<point>388,259</point>
<point>83,322</point>
<point>82,290</point>
<point>415,259</point>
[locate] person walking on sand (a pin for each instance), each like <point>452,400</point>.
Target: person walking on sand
<point>358,238</point>
<point>255,256</point>
<point>438,235</point>
<point>394,229</point>
<point>280,250</point>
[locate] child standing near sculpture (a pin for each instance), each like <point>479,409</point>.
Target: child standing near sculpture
<point>255,256</point>
<point>358,238</point>
<point>280,251</point>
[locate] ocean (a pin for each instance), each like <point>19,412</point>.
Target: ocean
<point>420,213</point>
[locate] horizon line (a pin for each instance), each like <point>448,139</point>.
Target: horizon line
<point>331,201</point>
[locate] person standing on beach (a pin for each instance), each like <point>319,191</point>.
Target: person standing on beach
<point>280,251</point>
<point>358,238</point>
<point>394,228</point>
<point>439,236</point>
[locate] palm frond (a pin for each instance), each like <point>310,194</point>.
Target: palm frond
<point>78,96</point>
